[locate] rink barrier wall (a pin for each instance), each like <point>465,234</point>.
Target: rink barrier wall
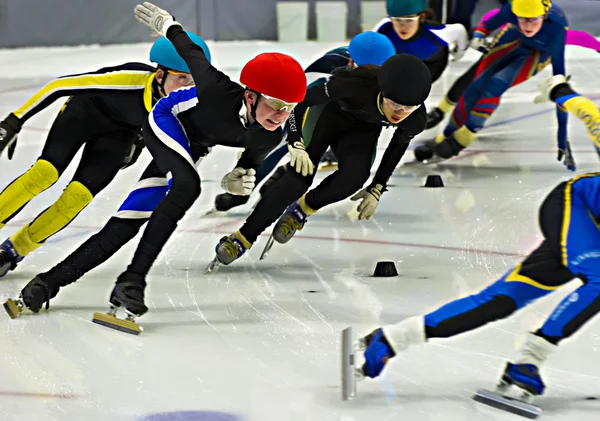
<point>27,23</point>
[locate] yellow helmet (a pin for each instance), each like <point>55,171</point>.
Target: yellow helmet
<point>530,8</point>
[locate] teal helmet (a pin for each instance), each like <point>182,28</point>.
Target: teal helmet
<point>164,54</point>
<point>398,8</point>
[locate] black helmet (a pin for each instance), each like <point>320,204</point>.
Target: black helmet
<point>405,79</point>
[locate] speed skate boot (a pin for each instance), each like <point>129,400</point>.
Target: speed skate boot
<point>127,295</point>
<point>229,250</point>
<point>379,347</point>
<point>292,220</point>
<point>227,201</point>
<point>434,118</point>
<point>35,294</point>
<point>524,374</point>
<point>377,353</point>
<point>9,258</point>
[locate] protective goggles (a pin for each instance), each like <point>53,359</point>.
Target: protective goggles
<point>405,20</point>
<point>536,19</point>
<point>397,107</point>
<point>182,78</point>
<point>278,104</point>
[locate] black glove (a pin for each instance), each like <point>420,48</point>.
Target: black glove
<point>135,152</point>
<point>569,160</point>
<point>9,129</point>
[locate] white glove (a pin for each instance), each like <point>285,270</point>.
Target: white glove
<point>154,17</point>
<point>457,54</point>
<point>370,199</point>
<point>240,181</point>
<point>299,158</point>
<point>479,44</point>
<point>547,86</point>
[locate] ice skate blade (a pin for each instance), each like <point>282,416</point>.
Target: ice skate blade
<point>114,322</point>
<point>508,404</point>
<point>209,212</point>
<point>267,248</point>
<point>348,367</point>
<point>13,308</point>
<point>328,167</point>
<point>213,265</point>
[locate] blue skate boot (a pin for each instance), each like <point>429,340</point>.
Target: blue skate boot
<point>229,250</point>
<point>292,220</point>
<point>8,257</point>
<point>524,376</point>
<point>377,354</point>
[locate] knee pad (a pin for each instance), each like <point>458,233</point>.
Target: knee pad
<point>39,177</point>
<point>73,200</point>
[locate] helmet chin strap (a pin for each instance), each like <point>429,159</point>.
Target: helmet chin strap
<point>161,84</point>
<point>254,107</point>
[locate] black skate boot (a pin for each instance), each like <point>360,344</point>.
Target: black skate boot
<point>8,257</point>
<point>227,201</point>
<point>33,296</point>
<point>128,295</point>
<point>424,152</point>
<point>272,180</point>
<point>434,118</point>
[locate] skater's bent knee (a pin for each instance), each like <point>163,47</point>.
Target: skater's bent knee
<point>187,187</point>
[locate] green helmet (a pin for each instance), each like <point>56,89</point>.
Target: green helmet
<point>398,8</point>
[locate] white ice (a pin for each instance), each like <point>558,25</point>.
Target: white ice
<point>259,340</point>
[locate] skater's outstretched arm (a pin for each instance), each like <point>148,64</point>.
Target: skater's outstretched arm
<point>412,126</point>
<point>493,22</point>
<point>557,89</point>
<point>130,76</point>
<point>206,76</point>
<point>370,195</point>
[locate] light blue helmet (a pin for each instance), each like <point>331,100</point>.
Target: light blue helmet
<point>371,48</point>
<point>164,54</point>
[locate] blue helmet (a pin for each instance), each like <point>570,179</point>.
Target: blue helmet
<point>163,53</point>
<point>371,48</point>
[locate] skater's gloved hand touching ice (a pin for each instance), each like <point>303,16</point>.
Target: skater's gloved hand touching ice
<point>9,129</point>
<point>369,198</point>
<point>479,42</point>
<point>566,156</point>
<point>154,17</point>
<point>134,152</point>
<point>299,158</point>
<point>240,181</point>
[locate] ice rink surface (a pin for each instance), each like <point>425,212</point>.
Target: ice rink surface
<point>259,340</point>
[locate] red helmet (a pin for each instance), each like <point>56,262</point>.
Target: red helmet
<point>275,75</point>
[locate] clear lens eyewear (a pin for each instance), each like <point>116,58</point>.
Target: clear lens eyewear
<point>405,20</point>
<point>536,19</point>
<point>278,104</point>
<point>398,107</point>
<point>184,79</point>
